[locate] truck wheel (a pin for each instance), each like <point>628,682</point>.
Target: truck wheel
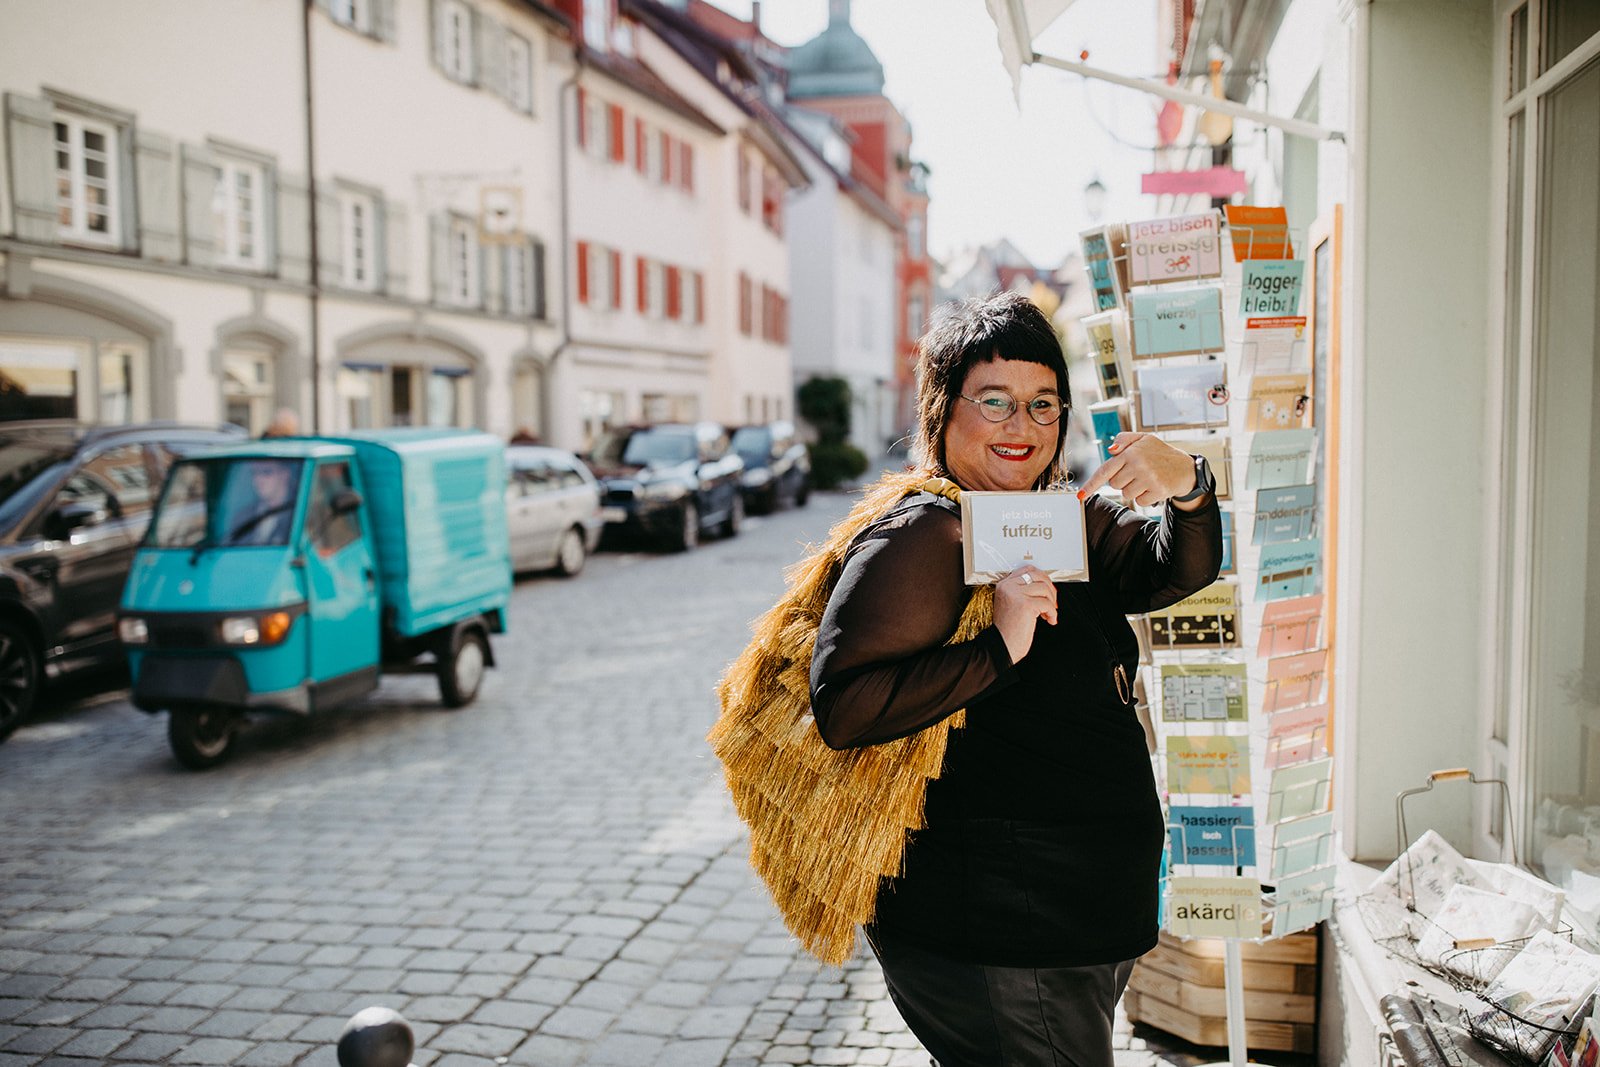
<point>461,667</point>
<point>571,553</point>
<point>202,739</point>
<point>735,519</point>
<point>689,529</point>
<point>19,677</point>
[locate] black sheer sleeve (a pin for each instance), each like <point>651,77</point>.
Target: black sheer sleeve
<point>1153,563</point>
<point>881,669</point>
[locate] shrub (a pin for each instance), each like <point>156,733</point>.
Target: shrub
<point>833,462</point>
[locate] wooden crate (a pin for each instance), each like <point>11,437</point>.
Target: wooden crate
<point>1179,988</point>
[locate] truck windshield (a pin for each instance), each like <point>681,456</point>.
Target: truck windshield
<point>227,502</point>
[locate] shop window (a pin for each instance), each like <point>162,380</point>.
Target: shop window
<point>44,378</point>
<point>249,388</point>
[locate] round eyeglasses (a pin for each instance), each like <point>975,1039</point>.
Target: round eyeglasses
<point>996,405</point>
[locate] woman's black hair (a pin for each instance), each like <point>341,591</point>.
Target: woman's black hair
<point>1002,326</point>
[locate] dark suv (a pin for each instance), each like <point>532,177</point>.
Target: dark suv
<point>777,467</point>
<point>74,503</point>
<point>669,482</point>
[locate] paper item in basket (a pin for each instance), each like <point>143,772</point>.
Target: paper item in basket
<point>1475,919</point>
<point>1514,882</point>
<point>1586,1052</point>
<point>1427,869</point>
<point>1548,984</point>
<point>1558,1054</point>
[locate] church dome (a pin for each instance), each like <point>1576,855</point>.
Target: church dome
<point>836,62</point>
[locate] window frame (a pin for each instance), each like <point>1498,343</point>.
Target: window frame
<point>352,14</point>
<point>227,217</point>
<point>463,252</point>
<point>77,179</point>
<point>519,90</point>
<point>460,63</point>
<point>349,201</point>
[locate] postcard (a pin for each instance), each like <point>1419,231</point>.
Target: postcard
<point>1175,321</point>
<point>1297,722</point>
<point>1278,402</point>
<point>1258,232</point>
<point>1297,791</point>
<point>1108,344</point>
<point>1216,763</point>
<point>1274,345</point>
<point>1214,907</point>
<point>1219,457</point>
<point>1103,258</point>
<point>1290,626</point>
<point>1288,751</point>
<point>1279,458</point>
<point>1107,419</point>
<point>1003,531</point>
<point>1203,692</point>
<point>1300,844</point>
<point>1302,900</point>
<point>1227,542</point>
<point>1288,513</point>
<point>1290,569</point>
<point>1271,288</point>
<point>1207,619</point>
<point>1294,681</point>
<point>1223,836</point>
<point>1182,397</point>
<point>1174,249</point>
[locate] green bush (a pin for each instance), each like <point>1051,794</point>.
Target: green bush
<point>833,462</point>
<point>825,404</point>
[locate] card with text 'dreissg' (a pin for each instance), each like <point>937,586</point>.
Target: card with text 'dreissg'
<point>1003,531</point>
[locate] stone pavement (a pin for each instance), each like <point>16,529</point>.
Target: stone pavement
<point>550,877</point>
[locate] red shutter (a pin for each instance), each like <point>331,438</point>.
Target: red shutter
<point>619,140</point>
<point>674,293</point>
<point>641,156</point>
<point>616,278</point>
<point>688,167</point>
<point>699,296</point>
<point>583,118</point>
<point>583,272</point>
<point>783,319</point>
<point>666,158</point>
<point>744,304</point>
<point>642,277</point>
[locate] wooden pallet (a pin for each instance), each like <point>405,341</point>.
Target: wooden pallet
<point>1178,987</point>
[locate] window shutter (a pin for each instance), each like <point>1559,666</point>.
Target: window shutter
<point>540,311</point>
<point>641,151</point>
<point>616,277</point>
<point>617,139</point>
<point>439,257</point>
<point>199,191</point>
<point>666,158</point>
<point>436,33</point>
<point>156,163</point>
<point>642,283</point>
<point>489,68</point>
<point>383,21</point>
<point>330,238</point>
<point>30,124</point>
<point>687,166</point>
<point>699,296</point>
<point>583,272</point>
<point>674,293</point>
<point>294,230</point>
<point>491,276</point>
<point>583,118</point>
<point>394,261</point>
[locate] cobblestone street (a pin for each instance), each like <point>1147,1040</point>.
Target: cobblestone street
<point>551,876</point>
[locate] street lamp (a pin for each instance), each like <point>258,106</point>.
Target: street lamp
<point>1094,198</point>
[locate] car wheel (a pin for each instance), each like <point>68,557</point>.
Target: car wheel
<point>735,519</point>
<point>202,738</point>
<point>462,665</point>
<point>688,534</point>
<point>19,676</point>
<point>571,553</point>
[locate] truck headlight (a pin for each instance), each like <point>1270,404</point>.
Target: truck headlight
<point>663,491</point>
<point>133,631</point>
<point>266,629</point>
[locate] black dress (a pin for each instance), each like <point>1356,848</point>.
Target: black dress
<point>1044,832</point>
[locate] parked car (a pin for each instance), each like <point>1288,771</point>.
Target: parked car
<point>74,503</point>
<point>669,482</point>
<point>284,577</point>
<point>777,467</point>
<point>552,509</point>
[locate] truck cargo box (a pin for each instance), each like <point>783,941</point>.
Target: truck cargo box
<point>438,507</point>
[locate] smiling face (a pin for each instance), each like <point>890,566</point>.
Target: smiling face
<point>1004,456</point>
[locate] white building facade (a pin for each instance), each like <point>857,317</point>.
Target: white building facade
<point>207,246</point>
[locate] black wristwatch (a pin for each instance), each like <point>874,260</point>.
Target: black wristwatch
<point>1204,482</point>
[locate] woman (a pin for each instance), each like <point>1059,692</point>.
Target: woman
<point>1025,901</point>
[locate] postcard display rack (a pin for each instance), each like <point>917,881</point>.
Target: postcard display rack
<point>1198,337</point>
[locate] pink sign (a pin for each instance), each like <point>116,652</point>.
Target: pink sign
<point>1217,181</point>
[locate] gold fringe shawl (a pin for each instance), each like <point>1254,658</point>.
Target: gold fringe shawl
<point>825,826</point>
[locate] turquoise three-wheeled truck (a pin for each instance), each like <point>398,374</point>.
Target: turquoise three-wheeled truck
<point>284,576</point>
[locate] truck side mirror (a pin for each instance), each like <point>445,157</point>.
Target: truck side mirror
<point>345,501</point>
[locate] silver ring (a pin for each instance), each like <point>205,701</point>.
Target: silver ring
<point>1027,578</point>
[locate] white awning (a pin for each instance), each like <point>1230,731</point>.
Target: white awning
<point>1018,22</point>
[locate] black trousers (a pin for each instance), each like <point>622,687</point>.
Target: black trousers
<point>970,1015</point>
